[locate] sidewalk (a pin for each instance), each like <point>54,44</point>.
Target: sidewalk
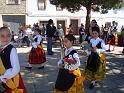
<point>42,81</point>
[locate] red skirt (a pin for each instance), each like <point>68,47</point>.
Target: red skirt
<point>113,40</point>
<point>21,86</point>
<point>37,56</point>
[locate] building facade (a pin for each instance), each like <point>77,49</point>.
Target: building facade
<point>12,13</point>
<point>17,12</point>
<point>42,10</point>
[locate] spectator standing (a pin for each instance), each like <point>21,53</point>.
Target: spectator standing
<point>49,33</point>
<point>43,30</point>
<point>105,33</point>
<point>81,33</point>
<point>70,29</point>
<point>60,32</point>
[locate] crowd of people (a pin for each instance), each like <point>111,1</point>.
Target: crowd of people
<point>69,79</point>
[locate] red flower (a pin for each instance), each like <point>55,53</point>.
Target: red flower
<point>71,61</point>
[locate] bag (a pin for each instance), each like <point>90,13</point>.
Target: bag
<point>64,80</point>
<point>3,87</point>
<point>93,62</point>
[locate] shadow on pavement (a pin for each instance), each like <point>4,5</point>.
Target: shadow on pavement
<point>42,81</point>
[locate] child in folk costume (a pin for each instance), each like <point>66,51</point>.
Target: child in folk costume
<point>69,78</point>
<point>96,63</point>
<point>37,54</point>
<point>10,78</point>
<point>113,37</point>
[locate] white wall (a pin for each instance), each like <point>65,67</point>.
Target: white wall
<point>34,15</point>
<point>1,21</point>
<point>50,10</point>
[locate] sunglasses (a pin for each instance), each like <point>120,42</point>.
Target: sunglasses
<point>4,36</point>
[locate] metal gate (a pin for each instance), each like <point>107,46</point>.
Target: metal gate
<point>13,21</point>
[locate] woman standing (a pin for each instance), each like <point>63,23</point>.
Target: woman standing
<point>105,33</point>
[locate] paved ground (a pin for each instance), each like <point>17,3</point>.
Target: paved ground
<point>42,81</point>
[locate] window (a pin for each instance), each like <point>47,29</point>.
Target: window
<point>58,8</point>
<point>41,4</point>
<point>13,2</point>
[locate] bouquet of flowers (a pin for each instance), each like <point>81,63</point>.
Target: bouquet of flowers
<point>68,64</point>
<point>70,60</point>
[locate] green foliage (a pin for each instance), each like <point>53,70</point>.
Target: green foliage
<point>101,6</point>
<point>97,5</point>
<point>120,38</point>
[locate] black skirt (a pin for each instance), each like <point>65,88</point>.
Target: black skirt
<point>64,80</point>
<point>93,62</point>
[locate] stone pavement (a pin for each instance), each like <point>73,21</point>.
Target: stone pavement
<point>42,81</point>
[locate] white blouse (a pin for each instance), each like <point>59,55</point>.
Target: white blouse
<point>94,42</point>
<point>39,38</point>
<point>11,72</point>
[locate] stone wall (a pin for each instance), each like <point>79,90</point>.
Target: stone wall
<point>12,9</point>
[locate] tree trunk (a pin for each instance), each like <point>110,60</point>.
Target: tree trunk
<point>88,17</point>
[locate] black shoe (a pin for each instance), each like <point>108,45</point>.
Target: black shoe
<point>108,50</point>
<point>91,86</point>
<point>50,53</point>
<point>28,67</point>
<point>42,67</point>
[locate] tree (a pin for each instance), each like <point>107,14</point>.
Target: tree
<point>101,6</point>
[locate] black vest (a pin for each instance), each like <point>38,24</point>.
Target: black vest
<point>5,56</point>
<point>71,53</point>
<point>99,45</point>
<point>36,39</point>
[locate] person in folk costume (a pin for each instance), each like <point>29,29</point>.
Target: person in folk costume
<point>10,78</point>
<point>96,62</point>
<point>37,53</point>
<point>86,44</point>
<point>113,38</point>
<point>69,78</point>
